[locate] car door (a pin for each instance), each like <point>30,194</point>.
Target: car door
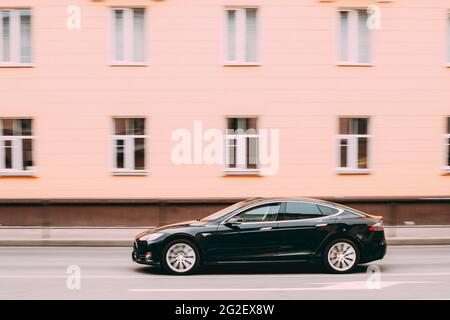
<point>251,237</point>
<point>301,229</point>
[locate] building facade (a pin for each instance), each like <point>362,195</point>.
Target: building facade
<point>93,94</point>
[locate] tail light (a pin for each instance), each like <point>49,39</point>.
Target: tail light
<point>377,226</point>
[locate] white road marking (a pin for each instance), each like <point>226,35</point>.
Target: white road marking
<point>352,285</point>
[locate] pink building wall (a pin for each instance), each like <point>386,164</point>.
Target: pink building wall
<point>72,92</point>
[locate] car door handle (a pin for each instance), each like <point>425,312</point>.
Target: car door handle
<point>321,224</point>
<point>266,229</point>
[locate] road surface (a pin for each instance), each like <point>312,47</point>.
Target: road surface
<point>407,272</point>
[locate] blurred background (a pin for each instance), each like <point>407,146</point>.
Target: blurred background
<point>92,91</point>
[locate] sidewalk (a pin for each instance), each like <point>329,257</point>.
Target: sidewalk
<point>123,237</point>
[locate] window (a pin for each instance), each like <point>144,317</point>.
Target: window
<point>354,37</point>
<point>447,146</point>
<point>353,145</point>
<point>241,146</point>
<point>129,146</point>
<point>241,36</point>
<point>16,147</point>
<point>129,37</point>
<point>266,212</point>
<point>295,210</point>
<point>15,36</point>
<point>327,211</point>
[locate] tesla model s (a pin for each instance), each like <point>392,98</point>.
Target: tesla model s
<point>266,230</point>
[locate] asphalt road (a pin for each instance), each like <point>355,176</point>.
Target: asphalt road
<point>407,272</point>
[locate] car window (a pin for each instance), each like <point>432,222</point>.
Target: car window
<point>265,212</point>
<point>327,211</point>
<point>299,210</point>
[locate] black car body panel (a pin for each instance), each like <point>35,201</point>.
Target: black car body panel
<point>266,241</point>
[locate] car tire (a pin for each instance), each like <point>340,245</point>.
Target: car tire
<point>340,256</point>
<point>180,257</point>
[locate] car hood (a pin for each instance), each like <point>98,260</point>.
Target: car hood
<point>178,225</point>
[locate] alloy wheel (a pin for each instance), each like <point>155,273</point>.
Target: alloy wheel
<point>181,257</point>
<point>342,256</point>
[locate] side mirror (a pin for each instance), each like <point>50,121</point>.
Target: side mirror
<point>233,221</point>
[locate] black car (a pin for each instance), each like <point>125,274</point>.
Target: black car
<point>267,231</point>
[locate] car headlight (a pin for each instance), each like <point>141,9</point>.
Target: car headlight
<point>151,237</point>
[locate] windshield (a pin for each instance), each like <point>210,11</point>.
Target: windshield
<point>225,211</point>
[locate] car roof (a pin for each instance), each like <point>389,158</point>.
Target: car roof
<point>289,199</point>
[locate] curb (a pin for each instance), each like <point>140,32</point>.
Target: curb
<point>129,243</point>
<point>66,243</point>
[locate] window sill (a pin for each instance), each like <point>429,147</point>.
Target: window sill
<point>17,173</point>
<point>16,65</point>
<point>354,64</point>
<point>128,64</point>
<point>446,171</point>
<point>238,172</point>
<point>242,64</point>
<point>447,65</point>
<point>353,171</point>
<point>130,173</point>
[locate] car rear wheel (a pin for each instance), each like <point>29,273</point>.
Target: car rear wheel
<point>340,256</point>
<point>180,257</point>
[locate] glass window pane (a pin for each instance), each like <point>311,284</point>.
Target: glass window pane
<point>27,154</point>
<point>7,150</point>
<point>343,37</point>
<point>139,35</point>
<point>260,213</point>
<point>120,155</point>
<point>137,126</point>
<point>120,126</point>
<point>343,153</point>
<point>231,153</point>
<point>119,35</point>
<point>344,125</point>
<point>139,153</point>
<point>25,36</point>
<point>6,37</point>
<point>363,37</point>
<point>327,211</point>
<point>252,153</point>
<point>448,152</point>
<point>362,153</point>
<point>7,125</point>
<point>242,124</point>
<point>251,54</point>
<point>362,125</point>
<point>231,35</point>
<point>25,125</point>
<point>300,210</point>
<point>357,125</point>
<point>251,124</point>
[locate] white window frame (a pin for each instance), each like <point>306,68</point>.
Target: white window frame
<point>128,37</point>
<point>17,155</point>
<point>352,44</point>
<point>352,151</point>
<point>241,37</point>
<point>241,152</point>
<point>15,54</point>
<point>128,150</point>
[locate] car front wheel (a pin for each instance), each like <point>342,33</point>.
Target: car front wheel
<point>180,257</point>
<point>341,256</point>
